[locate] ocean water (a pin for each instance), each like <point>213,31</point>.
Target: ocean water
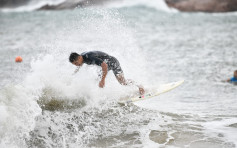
<point>44,105</point>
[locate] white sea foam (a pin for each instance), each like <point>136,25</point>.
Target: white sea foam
<point>51,75</point>
<point>222,129</point>
<point>19,108</point>
<point>157,4</point>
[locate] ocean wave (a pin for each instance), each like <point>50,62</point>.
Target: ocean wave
<point>156,4</point>
<point>18,111</point>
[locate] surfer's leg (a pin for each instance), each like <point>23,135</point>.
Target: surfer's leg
<point>118,72</point>
<point>123,81</point>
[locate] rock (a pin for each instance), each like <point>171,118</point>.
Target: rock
<point>220,135</point>
<point>12,3</point>
<point>71,4</point>
<point>233,125</point>
<point>203,5</point>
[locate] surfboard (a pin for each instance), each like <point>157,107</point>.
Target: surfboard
<point>152,93</point>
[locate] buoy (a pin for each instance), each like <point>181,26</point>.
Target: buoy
<point>18,59</point>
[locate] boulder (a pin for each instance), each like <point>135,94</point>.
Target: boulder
<point>203,5</point>
<point>71,4</point>
<point>12,3</point>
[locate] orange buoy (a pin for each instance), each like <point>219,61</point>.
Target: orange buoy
<point>18,59</point>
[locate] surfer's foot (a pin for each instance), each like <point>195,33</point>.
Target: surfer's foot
<point>141,91</point>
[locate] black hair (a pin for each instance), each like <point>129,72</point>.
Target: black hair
<point>73,56</point>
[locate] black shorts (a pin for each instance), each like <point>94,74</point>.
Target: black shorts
<point>113,64</point>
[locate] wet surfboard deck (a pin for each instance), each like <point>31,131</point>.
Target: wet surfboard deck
<point>152,93</point>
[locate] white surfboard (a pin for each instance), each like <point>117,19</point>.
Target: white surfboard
<point>159,90</point>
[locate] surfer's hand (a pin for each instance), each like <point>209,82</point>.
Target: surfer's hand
<point>102,83</point>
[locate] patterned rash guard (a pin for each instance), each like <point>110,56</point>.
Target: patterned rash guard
<point>98,57</point>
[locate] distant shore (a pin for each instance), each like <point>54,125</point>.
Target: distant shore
<point>71,4</point>
<point>203,5</point>
<point>181,5</point>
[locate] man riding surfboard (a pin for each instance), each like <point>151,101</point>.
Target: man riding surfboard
<point>106,62</point>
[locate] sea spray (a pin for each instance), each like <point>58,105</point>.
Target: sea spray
<point>50,76</point>
<point>20,109</point>
<point>198,47</point>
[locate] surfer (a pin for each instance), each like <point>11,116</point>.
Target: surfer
<point>234,78</point>
<point>107,63</point>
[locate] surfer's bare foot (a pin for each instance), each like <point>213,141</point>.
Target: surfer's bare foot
<point>141,91</point>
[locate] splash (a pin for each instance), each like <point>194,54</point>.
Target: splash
<point>50,85</point>
<point>155,4</point>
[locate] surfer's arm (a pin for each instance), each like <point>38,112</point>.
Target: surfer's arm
<point>104,73</point>
<point>77,69</point>
<point>104,66</point>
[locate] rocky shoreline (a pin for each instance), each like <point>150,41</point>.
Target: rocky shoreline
<point>71,4</point>
<point>203,5</point>
<point>182,5</point>
<point>12,3</point>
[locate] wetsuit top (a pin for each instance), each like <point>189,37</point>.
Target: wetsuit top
<point>94,57</point>
<point>98,57</point>
<point>233,79</point>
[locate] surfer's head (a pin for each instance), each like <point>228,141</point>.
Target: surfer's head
<point>235,74</point>
<point>76,59</point>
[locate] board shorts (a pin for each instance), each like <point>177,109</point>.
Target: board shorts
<point>114,65</point>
